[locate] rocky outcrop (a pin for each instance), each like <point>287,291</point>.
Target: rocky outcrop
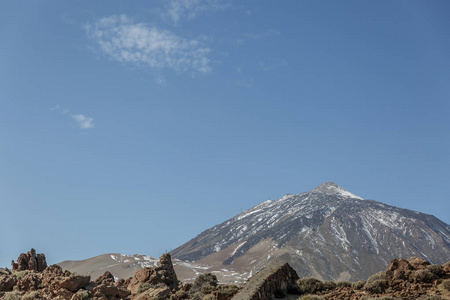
<point>107,277</point>
<point>409,279</point>
<point>33,278</point>
<point>166,271</point>
<point>414,278</point>
<point>158,283</point>
<point>398,269</point>
<point>30,261</point>
<point>272,282</point>
<point>162,274</point>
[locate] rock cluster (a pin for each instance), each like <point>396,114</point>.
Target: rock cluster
<point>409,279</point>
<point>163,274</point>
<point>30,261</point>
<point>160,280</point>
<point>414,278</point>
<point>32,279</point>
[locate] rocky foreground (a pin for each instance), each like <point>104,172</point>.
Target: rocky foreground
<point>414,278</point>
<point>31,278</point>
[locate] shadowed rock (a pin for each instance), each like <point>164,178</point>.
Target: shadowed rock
<point>30,261</point>
<point>271,282</point>
<point>7,283</point>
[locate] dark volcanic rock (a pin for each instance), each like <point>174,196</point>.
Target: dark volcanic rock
<point>7,282</point>
<point>30,261</point>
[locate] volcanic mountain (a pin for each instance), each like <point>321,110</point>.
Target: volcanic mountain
<point>328,233</point>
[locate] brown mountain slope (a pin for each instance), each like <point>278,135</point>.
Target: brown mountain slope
<point>125,266</point>
<point>327,233</point>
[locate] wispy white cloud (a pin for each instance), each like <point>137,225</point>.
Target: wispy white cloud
<point>83,121</point>
<point>189,9</point>
<point>127,41</point>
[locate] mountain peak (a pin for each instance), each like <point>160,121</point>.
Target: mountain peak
<point>332,188</point>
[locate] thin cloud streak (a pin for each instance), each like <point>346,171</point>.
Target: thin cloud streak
<point>126,41</point>
<point>83,121</point>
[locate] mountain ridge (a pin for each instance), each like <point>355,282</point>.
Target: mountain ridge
<point>328,231</point>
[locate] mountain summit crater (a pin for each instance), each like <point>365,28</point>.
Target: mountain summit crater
<point>331,188</point>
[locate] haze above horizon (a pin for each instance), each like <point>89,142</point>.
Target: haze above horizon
<point>130,127</point>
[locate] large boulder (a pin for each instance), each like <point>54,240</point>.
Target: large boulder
<point>154,294</point>
<point>272,282</point>
<point>110,291</point>
<point>398,269</point>
<point>7,282</point>
<point>75,282</point>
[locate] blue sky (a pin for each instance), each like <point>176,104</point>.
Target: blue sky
<point>131,126</point>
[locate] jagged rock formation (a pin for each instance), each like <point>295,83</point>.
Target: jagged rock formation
<point>125,266</point>
<point>414,278</point>
<point>30,261</point>
<point>272,282</point>
<point>327,233</point>
<point>410,279</point>
<point>151,283</point>
<point>30,280</point>
<point>163,274</point>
